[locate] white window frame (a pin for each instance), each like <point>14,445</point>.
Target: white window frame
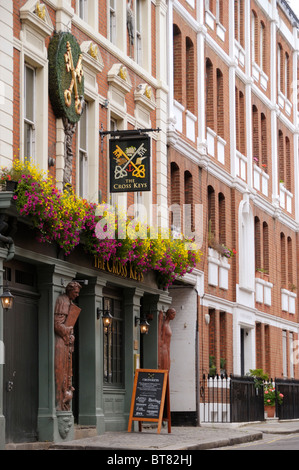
<point>112,21</point>
<point>87,11</point>
<point>83,10</point>
<point>253,38</point>
<point>83,154</point>
<point>284,353</point>
<point>138,31</point>
<point>286,73</point>
<point>262,40</point>
<point>238,29</point>
<point>279,50</point>
<point>28,122</point>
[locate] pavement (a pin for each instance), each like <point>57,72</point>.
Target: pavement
<point>204,437</point>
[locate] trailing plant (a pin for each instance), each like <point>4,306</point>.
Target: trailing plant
<point>66,219</point>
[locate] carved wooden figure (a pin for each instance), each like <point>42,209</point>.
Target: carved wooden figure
<point>65,316</point>
<point>165,334</point>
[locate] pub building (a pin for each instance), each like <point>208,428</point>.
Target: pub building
<point>105,357</point>
<point>69,82</point>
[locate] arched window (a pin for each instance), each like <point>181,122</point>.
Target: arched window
<point>283,259</point>
<point>254,37</point>
<point>279,68</point>
<point>239,21</point>
<point>290,262</point>
<point>288,170</point>
<point>219,11</point>
<point>188,209</point>
<point>255,135</point>
<point>266,264</point>
<point>287,75</point>
<point>221,219</point>
<point>177,63</point>
<point>211,211</point>
<point>175,209</point>
<point>209,94</point>
<point>257,243</point>
<point>220,104</point>
<point>262,45</point>
<point>190,81</point>
<point>281,157</point>
<point>264,142</point>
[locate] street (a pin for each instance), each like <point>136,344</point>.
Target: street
<point>269,442</point>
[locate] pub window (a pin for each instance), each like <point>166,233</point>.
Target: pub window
<point>262,46</point>
<point>138,32</point>
<point>254,39</point>
<point>112,8</point>
<point>83,9</point>
<point>113,344</point>
<point>286,74</point>
<point>83,153</point>
<point>177,64</point>
<point>239,21</point>
<point>29,112</point>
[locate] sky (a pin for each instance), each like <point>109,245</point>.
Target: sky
<point>294,4</point>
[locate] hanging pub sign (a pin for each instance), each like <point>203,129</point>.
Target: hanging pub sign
<point>130,164</point>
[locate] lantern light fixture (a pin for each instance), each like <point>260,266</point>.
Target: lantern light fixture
<point>7,299</point>
<point>144,325</point>
<point>105,313</point>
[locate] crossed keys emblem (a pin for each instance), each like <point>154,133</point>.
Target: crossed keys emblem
<point>139,169</point>
<point>77,74</point>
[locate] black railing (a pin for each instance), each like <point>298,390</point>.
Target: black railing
<point>236,399</point>
<point>246,400</point>
<point>289,408</point>
<point>230,399</point>
<point>215,399</point>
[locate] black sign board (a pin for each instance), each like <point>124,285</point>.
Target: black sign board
<point>150,398</point>
<point>130,168</point>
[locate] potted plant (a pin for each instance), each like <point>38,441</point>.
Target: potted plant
<point>271,397</point>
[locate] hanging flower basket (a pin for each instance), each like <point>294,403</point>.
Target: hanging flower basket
<point>63,218</point>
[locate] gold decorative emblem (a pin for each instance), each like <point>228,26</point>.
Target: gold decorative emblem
<point>123,72</point>
<point>40,10</point>
<point>123,159</point>
<point>77,74</point>
<point>148,92</point>
<point>93,51</point>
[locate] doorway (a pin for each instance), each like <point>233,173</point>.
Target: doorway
<point>20,370</point>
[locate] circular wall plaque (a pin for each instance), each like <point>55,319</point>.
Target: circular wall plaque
<point>66,79</point>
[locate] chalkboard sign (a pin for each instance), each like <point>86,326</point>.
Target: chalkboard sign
<point>150,398</point>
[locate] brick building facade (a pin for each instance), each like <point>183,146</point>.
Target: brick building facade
<point>236,139</point>
<point>219,80</point>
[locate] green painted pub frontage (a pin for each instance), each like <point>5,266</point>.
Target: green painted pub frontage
<point>104,359</point>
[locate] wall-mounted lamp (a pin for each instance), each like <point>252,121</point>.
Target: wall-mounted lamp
<point>106,316</point>
<point>7,299</point>
<point>144,325</point>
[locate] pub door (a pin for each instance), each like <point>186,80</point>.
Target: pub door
<point>20,380</point>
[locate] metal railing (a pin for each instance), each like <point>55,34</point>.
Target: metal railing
<point>215,399</point>
<point>289,408</point>
<point>231,398</point>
